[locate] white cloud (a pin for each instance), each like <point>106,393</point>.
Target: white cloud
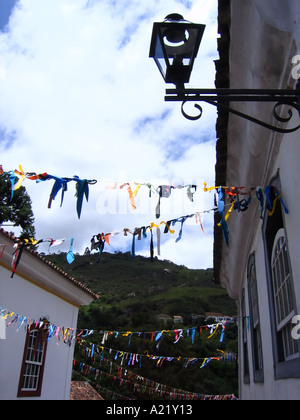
<point>80,96</point>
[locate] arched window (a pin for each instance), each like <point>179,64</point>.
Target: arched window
<point>30,384</point>
<point>281,292</point>
<point>283,296</point>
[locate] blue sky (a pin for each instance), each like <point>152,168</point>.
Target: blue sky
<point>6,7</point>
<point>81,97</point>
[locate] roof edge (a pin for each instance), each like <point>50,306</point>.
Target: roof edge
<point>65,275</point>
<point>222,81</point>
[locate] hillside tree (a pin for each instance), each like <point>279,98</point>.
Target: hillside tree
<point>16,211</point>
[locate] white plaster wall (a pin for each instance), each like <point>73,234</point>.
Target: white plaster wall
<point>285,18</point>
<point>27,299</point>
<point>288,162</point>
<point>265,35</point>
<point>271,389</point>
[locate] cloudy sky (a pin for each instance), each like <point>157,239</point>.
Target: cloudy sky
<point>79,95</point>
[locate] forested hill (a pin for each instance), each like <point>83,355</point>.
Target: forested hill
<point>136,290</point>
<point>132,295</point>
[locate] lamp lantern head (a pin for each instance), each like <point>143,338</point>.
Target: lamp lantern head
<point>174,46</point>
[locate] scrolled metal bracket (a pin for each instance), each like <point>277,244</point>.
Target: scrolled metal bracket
<point>190,117</point>
<point>221,98</point>
<point>264,124</point>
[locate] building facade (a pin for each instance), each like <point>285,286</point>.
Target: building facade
<point>260,267</point>
<point>38,317</point>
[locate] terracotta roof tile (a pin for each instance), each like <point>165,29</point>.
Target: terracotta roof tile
<point>83,391</point>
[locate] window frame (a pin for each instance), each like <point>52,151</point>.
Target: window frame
<point>31,344</point>
<point>244,340</point>
<point>283,369</point>
<point>255,324</point>
<point>283,295</point>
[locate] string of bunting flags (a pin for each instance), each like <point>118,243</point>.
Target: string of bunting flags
<point>60,184</point>
<point>82,187</point>
<point>65,335</point>
<point>68,334</point>
<point>114,365</point>
<point>267,199</point>
<point>138,383</point>
<point>94,351</point>
<point>156,336</point>
<point>227,200</point>
<point>235,195</point>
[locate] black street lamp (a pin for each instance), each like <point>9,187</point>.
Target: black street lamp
<point>174,47</point>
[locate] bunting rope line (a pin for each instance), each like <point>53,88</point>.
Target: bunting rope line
<point>61,333</point>
<point>136,358</point>
<point>68,334</point>
<point>147,385</point>
<point>121,372</point>
<point>164,191</point>
<point>158,334</point>
<point>32,242</point>
<point>82,185</point>
<point>98,241</point>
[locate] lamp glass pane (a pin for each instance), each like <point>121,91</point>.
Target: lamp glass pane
<point>159,58</point>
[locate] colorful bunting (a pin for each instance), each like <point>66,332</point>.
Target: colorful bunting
<point>96,351</point>
<point>228,200</point>
<point>227,197</point>
<point>140,384</point>
<point>60,184</point>
<point>225,193</point>
<point>158,335</point>
<point>61,333</point>
<point>153,335</point>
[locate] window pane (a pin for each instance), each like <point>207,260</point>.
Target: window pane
<point>283,294</point>
<point>33,362</point>
<point>255,321</point>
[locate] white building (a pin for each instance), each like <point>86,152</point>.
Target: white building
<point>31,367</point>
<point>217,317</point>
<point>260,267</point>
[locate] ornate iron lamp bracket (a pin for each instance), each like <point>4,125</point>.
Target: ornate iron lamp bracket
<point>221,98</point>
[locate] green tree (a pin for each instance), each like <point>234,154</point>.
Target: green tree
<point>16,210</point>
